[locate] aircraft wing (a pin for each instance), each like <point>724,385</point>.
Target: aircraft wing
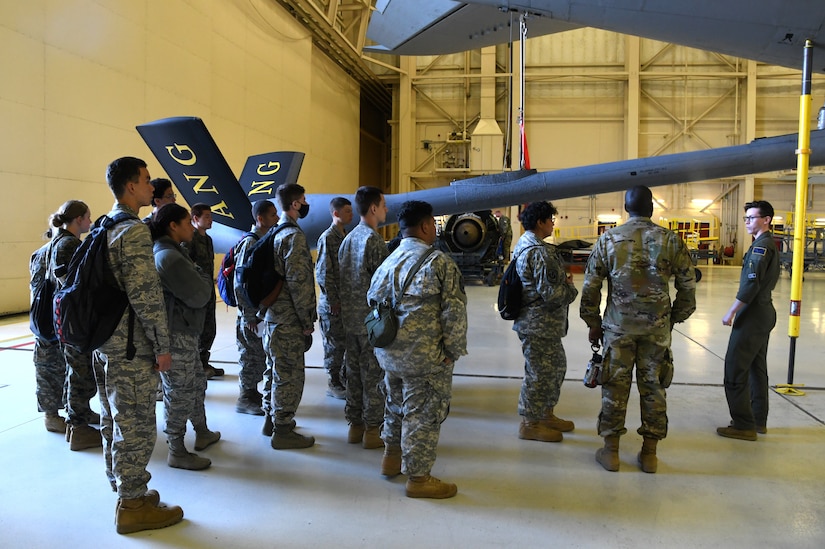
<point>194,163</point>
<point>771,31</point>
<point>431,27</point>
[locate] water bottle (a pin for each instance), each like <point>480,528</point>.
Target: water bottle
<point>592,374</point>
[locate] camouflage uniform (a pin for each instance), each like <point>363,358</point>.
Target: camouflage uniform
<point>49,364</point>
<point>286,320</point>
<point>542,322</point>
<point>80,380</point>
<point>432,317</point>
<point>361,252</point>
<point>638,258</point>
<point>202,252</point>
<point>327,276</point>
<point>251,356</point>
<point>746,365</point>
<point>129,385</point>
<point>505,228</point>
<point>186,290</point>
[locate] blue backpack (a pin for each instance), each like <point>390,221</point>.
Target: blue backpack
<point>226,274</point>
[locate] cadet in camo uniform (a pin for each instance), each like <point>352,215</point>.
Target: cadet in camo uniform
<point>202,252</point>
<point>505,229</point>
<point>186,291</point>
<point>638,259</point>
<point>329,302</point>
<point>288,321</point>
<point>547,292</point>
<point>127,385</point>
<point>361,252</point>
<point>72,220</point>
<point>418,364</point>
<point>251,355</point>
<point>49,363</point>
<point>752,316</point>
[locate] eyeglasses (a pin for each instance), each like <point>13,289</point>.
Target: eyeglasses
<point>169,196</point>
<point>749,218</point>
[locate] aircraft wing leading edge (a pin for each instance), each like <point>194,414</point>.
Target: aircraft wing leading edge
<point>431,27</point>
<point>760,156</point>
<point>771,31</point>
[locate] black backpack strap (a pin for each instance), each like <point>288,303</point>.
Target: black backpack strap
<point>107,223</point>
<point>515,258</point>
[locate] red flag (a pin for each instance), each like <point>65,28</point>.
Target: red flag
<point>525,155</point>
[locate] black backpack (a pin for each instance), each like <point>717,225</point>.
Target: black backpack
<point>226,274</point>
<point>89,307</point>
<point>509,291</point>
<point>41,314</point>
<point>258,280</point>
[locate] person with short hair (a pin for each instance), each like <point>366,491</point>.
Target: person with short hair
<point>329,302</point>
<point>162,194</point>
<point>547,292</point>
<point>251,355</point>
<point>202,252</point>
<point>359,256</point>
<point>638,259</point>
<point>289,322</point>
<point>186,291</point>
<point>418,364</point>
<point>752,317</point>
<point>505,230</point>
<point>127,384</point>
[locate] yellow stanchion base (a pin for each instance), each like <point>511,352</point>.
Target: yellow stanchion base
<point>789,389</point>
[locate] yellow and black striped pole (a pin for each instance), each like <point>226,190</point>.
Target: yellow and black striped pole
<point>803,153</point>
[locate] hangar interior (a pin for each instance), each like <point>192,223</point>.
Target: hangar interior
<point>271,75</point>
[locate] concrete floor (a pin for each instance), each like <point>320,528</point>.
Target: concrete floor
<point>708,492</point>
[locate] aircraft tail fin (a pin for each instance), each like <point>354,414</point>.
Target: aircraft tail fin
<point>263,173</point>
<point>196,166</point>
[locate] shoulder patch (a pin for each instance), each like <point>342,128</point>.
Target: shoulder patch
<point>759,250</point>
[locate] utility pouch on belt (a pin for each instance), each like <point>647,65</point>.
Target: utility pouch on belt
<point>381,322</point>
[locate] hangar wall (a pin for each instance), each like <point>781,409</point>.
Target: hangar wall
<point>79,75</point>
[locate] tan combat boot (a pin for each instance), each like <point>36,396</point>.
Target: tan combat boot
<point>54,422</point>
<point>391,462</point>
<point>557,423</point>
<point>427,486</point>
<point>356,433</point>
<point>180,458</point>
<point>83,436</point>
<point>372,438</point>
<point>205,438</point>
<point>538,430</point>
<point>608,456</point>
<point>134,515</point>
<point>647,457</point>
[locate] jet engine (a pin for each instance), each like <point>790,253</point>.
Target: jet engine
<point>472,240</point>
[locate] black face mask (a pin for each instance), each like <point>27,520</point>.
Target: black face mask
<point>303,211</point>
